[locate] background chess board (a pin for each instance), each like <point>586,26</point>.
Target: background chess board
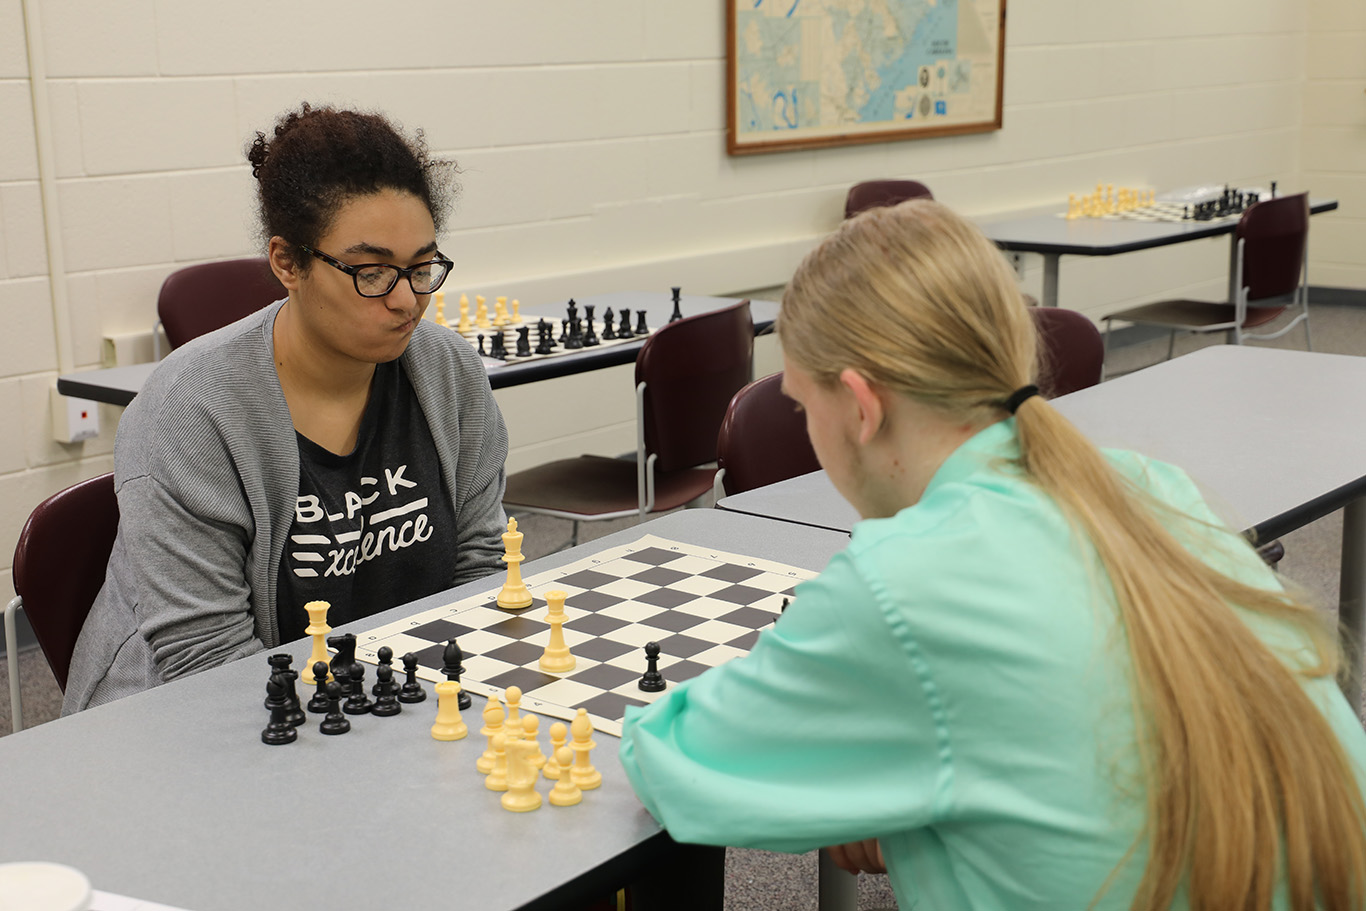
<point>1161,211</point>
<point>510,338</point>
<point>704,607</point>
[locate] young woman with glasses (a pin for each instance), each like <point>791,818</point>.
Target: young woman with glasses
<point>333,446</point>
<point>1041,676</point>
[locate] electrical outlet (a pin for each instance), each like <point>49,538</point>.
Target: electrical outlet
<point>74,420</point>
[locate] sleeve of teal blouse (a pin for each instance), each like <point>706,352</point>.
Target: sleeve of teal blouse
<point>757,752</point>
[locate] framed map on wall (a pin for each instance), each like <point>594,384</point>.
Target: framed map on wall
<point>813,73</point>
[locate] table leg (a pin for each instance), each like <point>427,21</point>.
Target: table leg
<point>1352,595</point>
<point>691,878</point>
<point>1050,279</point>
<point>838,891</point>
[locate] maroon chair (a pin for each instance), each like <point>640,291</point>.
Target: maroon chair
<point>199,299</point>
<point>686,374</point>
<point>763,439</point>
<point>1071,351</point>
<point>874,193</point>
<point>59,567</point>
<point>1268,266</point>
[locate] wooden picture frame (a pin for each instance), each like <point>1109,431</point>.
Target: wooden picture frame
<point>803,75</point>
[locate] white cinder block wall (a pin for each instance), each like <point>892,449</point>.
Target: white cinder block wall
<point>1334,139</point>
<point>591,134</point>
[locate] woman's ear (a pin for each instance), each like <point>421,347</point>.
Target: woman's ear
<point>871,410</point>
<point>283,264</point>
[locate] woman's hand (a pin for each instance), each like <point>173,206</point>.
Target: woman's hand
<point>858,857</point>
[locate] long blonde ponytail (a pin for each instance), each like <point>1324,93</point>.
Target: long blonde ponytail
<point>1249,791</point>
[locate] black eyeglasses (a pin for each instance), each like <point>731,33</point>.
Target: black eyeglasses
<point>378,279</point>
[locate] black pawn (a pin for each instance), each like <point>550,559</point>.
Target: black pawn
<point>608,318</point>
<point>590,337</point>
<point>335,722</point>
<point>453,665</point>
<point>678,312</point>
<point>357,703</point>
<point>411,691</point>
<point>641,328</point>
<point>524,341</point>
<point>345,648</point>
<point>653,680</point>
<point>480,337</point>
<point>279,730</point>
<point>386,656</point>
<point>564,332</point>
<point>387,704</point>
<point>318,704</point>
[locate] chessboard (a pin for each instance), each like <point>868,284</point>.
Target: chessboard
<point>703,607</point>
<point>1165,212</point>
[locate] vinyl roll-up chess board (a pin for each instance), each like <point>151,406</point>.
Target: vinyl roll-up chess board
<point>703,607</point>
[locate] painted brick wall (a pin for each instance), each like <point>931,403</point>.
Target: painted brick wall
<point>1334,139</point>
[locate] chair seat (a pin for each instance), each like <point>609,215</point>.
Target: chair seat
<point>596,485</point>
<point>1193,314</point>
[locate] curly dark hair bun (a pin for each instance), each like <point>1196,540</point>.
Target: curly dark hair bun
<point>318,158</point>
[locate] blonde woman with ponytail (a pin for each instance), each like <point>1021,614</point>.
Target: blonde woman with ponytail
<point>1041,676</point>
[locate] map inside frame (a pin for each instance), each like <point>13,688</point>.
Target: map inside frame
<point>817,73</point>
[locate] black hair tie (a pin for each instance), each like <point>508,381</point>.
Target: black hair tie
<point>1018,397</point>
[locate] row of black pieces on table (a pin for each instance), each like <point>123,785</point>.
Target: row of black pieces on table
<point>336,698</point>
<point>1230,202</point>
<point>575,333</point>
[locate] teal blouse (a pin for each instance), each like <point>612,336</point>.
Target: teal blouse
<point>952,684</point>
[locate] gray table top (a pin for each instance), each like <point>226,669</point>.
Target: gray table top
<point>170,796</point>
<point>120,385</point>
<point>1046,231</point>
<point>1261,430</point>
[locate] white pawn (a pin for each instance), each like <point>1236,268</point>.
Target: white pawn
<point>584,775</point>
<point>497,780</point>
<point>559,733</point>
<point>530,725</point>
<point>565,793</point>
<point>493,724</point>
<point>513,698</point>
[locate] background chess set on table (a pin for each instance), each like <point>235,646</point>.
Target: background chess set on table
<point>505,335</point>
<point>1198,204</point>
<point>703,607</point>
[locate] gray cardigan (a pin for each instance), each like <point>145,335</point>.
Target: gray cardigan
<point>206,466</point>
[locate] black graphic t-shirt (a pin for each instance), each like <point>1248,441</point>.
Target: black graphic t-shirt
<point>374,528</point>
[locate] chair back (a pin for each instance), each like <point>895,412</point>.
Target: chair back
<point>1274,234</point>
<point>60,561</point>
<point>763,438</point>
<point>691,368</point>
<point>874,193</point>
<point>1071,351</point>
<point>199,299</point>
